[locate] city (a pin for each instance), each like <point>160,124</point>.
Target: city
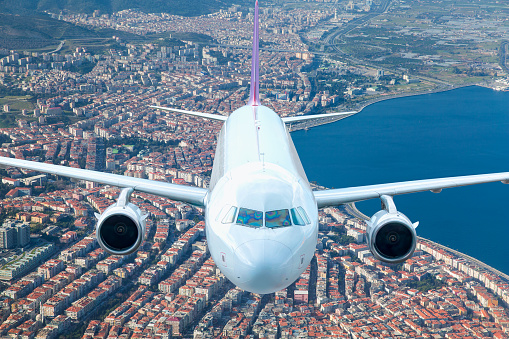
<point>85,105</point>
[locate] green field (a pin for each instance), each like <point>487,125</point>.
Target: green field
<point>17,103</point>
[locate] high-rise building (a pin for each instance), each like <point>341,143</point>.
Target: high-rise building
<point>23,231</point>
<point>96,154</point>
<point>8,237</point>
<point>14,233</point>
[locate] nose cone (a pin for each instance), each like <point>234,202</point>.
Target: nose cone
<point>263,266</point>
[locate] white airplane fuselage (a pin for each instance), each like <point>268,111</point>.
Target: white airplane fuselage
<point>257,170</point>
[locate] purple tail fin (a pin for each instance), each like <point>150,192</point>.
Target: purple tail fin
<point>254,98</point>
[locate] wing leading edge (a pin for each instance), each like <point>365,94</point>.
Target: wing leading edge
<point>189,194</point>
<point>300,118</point>
<point>286,120</point>
<point>340,196</point>
<point>197,114</point>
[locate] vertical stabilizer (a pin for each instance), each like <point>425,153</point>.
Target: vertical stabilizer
<point>254,97</point>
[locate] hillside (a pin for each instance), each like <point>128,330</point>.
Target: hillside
<point>24,25</point>
<point>179,7</point>
<point>32,32</point>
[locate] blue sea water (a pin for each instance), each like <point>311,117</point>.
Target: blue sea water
<point>459,132</point>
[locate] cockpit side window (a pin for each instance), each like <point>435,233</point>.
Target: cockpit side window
<point>297,218</point>
<point>230,216</point>
<point>250,217</point>
<point>304,214</point>
<point>278,218</point>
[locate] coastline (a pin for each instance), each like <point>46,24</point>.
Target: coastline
<point>358,107</point>
<point>363,104</point>
<point>467,257</point>
<point>479,266</point>
<point>352,209</point>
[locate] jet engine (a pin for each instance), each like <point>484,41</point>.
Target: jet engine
<point>391,236</point>
<point>121,228</point>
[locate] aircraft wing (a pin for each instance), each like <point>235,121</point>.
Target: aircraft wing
<point>300,118</point>
<point>197,114</point>
<point>286,120</point>
<point>340,196</point>
<point>189,194</point>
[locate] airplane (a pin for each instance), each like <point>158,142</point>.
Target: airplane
<point>261,214</point>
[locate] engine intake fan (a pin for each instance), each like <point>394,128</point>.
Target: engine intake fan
<point>391,235</point>
<point>121,228</point>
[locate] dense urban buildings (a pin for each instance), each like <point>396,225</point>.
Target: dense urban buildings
<point>84,106</point>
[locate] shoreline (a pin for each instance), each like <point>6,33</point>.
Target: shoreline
<point>359,215</point>
<point>354,212</point>
<point>363,104</point>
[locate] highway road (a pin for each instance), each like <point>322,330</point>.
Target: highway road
<point>351,25</point>
<point>332,40</point>
<point>62,43</point>
<point>270,49</point>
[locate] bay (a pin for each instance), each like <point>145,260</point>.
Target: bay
<point>460,132</point>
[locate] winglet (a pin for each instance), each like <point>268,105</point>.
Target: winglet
<point>254,98</point>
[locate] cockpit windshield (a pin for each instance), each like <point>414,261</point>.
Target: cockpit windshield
<point>304,214</point>
<point>278,218</point>
<point>230,216</point>
<point>250,217</point>
<point>297,218</point>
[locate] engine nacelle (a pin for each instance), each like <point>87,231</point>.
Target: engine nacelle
<point>391,235</point>
<point>121,228</point>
